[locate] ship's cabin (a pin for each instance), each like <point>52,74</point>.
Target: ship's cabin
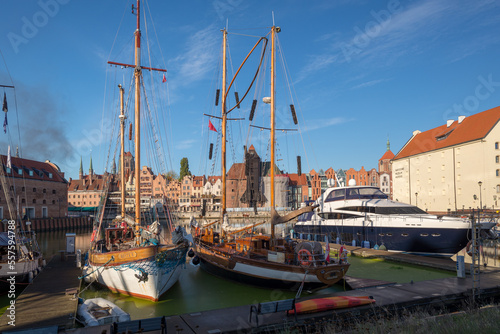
<point>346,193</point>
<point>117,236</point>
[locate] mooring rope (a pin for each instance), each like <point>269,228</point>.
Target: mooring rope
<point>112,259</point>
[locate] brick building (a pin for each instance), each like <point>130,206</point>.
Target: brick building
<point>38,189</point>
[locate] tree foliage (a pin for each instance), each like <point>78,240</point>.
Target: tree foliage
<point>184,168</point>
<point>171,175</point>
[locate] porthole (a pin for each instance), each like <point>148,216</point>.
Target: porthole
<point>424,234</point>
<point>404,234</point>
<point>436,234</point>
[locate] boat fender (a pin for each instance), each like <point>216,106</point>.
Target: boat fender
<point>196,260</point>
<point>304,256</point>
<point>191,253</point>
<point>30,277</point>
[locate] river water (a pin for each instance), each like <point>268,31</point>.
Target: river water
<point>198,291</point>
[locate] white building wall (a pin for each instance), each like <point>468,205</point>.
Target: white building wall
<point>447,179</point>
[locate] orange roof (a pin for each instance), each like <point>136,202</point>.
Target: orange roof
<point>388,155</point>
<point>472,128</point>
<point>297,180</point>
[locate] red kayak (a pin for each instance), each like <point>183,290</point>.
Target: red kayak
<point>330,303</point>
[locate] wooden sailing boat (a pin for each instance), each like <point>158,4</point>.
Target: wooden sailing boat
<point>20,256</point>
<point>264,260</point>
<point>129,259</point>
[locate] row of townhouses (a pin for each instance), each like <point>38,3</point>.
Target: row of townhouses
<point>453,167</point>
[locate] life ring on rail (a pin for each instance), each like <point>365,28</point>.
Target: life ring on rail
<point>305,258</point>
<point>93,236</point>
<point>468,248</point>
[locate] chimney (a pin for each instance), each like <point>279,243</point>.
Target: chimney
<point>449,123</point>
<point>460,119</point>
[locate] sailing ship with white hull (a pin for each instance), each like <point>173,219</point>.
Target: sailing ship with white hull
<point>129,258</point>
<point>265,260</point>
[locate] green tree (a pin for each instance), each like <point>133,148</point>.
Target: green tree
<point>171,175</point>
<point>184,168</point>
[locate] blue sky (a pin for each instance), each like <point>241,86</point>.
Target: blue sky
<point>361,71</point>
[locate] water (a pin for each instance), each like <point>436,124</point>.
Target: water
<point>198,291</point>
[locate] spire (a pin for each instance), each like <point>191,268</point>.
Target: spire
<point>388,144</point>
<point>91,170</point>
<point>17,151</point>
<point>81,169</point>
<point>113,168</point>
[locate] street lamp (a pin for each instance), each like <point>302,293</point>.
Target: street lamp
<point>416,199</point>
<point>480,197</point>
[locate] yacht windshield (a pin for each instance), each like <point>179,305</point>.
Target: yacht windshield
<point>356,193</point>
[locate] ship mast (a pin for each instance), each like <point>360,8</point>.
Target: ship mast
<point>273,121</point>
<point>122,152</point>
<point>137,143</point>
<point>137,77</point>
<point>224,122</point>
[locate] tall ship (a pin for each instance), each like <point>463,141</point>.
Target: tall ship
<point>254,258</point>
<point>365,216</point>
<point>128,256</point>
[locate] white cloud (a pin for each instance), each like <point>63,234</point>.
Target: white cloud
<point>185,144</point>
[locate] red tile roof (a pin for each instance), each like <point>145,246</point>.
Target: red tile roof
<point>472,128</point>
<point>40,170</point>
<point>388,155</point>
<point>297,180</point>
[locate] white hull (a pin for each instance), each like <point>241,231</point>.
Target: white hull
<point>141,279</point>
<point>282,275</point>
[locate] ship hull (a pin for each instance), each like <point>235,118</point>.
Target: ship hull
<point>147,277</point>
<point>269,274</point>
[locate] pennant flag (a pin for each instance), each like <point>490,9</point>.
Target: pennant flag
<point>211,126</point>
<point>164,78</point>
<point>5,103</point>
<point>5,123</point>
<point>9,163</point>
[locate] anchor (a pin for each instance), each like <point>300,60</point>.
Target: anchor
<point>143,277</point>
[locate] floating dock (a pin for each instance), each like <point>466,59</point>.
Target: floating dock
<point>50,300</point>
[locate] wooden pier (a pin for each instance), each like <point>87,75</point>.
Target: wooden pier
<point>46,305</point>
<point>45,302</point>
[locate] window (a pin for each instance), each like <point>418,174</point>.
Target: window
<point>45,213</point>
<point>53,191</point>
<point>34,201</point>
<point>31,173</point>
<point>8,170</point>
<point>34,190</point>
<point>496,146</point>
<point>44,191</point>
<point>498,172</point>
<point>497,159</point>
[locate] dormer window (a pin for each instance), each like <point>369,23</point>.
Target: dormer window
<point>8,169</point>
<point>444,136</point>
<point>30,173</point>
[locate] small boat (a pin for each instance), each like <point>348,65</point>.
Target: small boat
<point>100,311</point>
<point>330,303</point>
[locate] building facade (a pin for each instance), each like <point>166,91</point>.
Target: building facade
<point>37,189</point>
<point>452,167</point>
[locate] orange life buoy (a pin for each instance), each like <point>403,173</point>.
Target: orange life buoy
<point>304,256</point>
<point>92,237</point>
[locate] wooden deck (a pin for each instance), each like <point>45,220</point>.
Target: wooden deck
<point>45,303</point>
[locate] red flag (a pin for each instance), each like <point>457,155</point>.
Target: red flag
<point>211,126</point>
<point>164,78</point>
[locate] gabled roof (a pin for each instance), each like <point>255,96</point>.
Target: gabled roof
<point>237,171</point>
<point>388,155</point>
<point>471,128</point>
<point>297,180</point>
<point>43,171</point>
